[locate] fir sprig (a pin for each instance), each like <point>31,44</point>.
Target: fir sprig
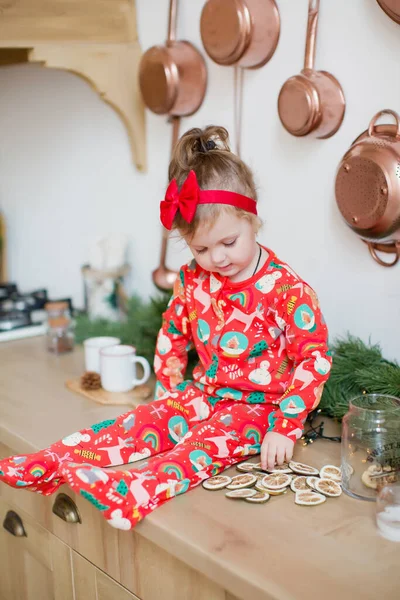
<point>357,369</point>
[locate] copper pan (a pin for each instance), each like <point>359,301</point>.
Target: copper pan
<point>312,102</point>
<point>367,187</point>
<point>173,77</point>
<point>240,32</point>
<point>391,8</point>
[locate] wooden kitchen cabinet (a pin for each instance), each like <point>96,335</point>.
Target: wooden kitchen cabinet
<point>35,566</point>
<point>39,566</point>
<point>92,584</point>
<point>90,557</point>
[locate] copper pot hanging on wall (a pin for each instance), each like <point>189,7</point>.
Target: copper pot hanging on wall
<point>240,32</point>
<point>391,8</point>
<point>312,102</point>
<point>173,77</point>
<point>367,187</point>
<point>173,81</point>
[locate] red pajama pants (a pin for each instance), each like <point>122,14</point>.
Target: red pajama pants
<point>186,436</point>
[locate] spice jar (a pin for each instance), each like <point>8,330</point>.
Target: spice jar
<point>60,335</point>
<point>370,445</point>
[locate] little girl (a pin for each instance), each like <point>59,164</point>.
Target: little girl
<point>262,346</point>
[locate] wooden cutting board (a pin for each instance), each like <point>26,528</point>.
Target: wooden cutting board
<point>134,397</point>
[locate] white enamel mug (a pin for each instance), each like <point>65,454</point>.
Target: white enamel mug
<point>118,368</point>
<point>92,348</point>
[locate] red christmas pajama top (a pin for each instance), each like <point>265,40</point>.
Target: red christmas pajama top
<point>262,340</point>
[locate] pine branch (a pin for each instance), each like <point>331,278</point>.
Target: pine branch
<point>357,369</point>
<point>383,379</point>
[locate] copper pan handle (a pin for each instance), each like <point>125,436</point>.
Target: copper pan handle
<point>172,22</point>
<point>309,56</point>
<point>372,247</point>
<point>385,111</point>
<point>165,233</point>
<point>163,277</point>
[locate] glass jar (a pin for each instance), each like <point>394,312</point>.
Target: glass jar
<point>60,335</point>
<point>370,445</point>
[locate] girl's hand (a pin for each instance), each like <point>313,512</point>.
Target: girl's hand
<point>275,449</point>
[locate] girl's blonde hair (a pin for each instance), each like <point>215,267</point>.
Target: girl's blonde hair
<point>207,153</point>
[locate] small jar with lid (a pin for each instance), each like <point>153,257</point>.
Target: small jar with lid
<point>60,334</point>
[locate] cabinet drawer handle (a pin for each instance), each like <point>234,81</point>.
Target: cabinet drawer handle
<point>65,508</point>
<point>14,525</point>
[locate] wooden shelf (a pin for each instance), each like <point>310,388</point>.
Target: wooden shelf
<point>95,39</point>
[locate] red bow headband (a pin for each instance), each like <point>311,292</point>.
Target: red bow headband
<point>190,195</point>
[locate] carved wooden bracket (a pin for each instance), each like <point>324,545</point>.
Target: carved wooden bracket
<point>112,70</point>
<point>95,39</point>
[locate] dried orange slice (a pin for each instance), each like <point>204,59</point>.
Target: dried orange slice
<point>280,469</point>
<point>217,483</point>
<point>299,483</point>
<point>245,467</point>
<point>259,469</point>
<point>276,481</point>
<point>308,498</point>
<point>328,487</point>
<point>275,492</point>
<point>259,486</point>
<point>239,494</point>
<point>331,472</point>
<point>302,469</point>
<point>369,481</point>
<point>311,481</point>
<point>258,498</point>
<point>242,481</point>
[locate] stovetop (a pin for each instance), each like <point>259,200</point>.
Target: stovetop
<point>21,314</point>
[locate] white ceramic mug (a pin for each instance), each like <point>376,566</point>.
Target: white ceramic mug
<point>118,368</point>
<point>92,348</point>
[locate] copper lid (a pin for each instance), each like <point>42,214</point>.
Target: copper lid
<point>225,28</point>
<point>298,105</point>
<point>362,192</point>
<point>158,79</point>
<point>391,8</point>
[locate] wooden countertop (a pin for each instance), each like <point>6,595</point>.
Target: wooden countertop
<point>276,551</point>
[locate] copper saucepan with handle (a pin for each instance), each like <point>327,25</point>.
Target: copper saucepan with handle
<point>173,77</point>
<point>312,102</point>
<point>367,187</point>
<point>244,33</point>
<point>391,8</point>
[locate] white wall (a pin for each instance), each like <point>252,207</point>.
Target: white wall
<point>66,175</point>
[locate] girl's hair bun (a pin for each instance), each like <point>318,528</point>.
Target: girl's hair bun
<point>209,145</point>
<point>194,145</point>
